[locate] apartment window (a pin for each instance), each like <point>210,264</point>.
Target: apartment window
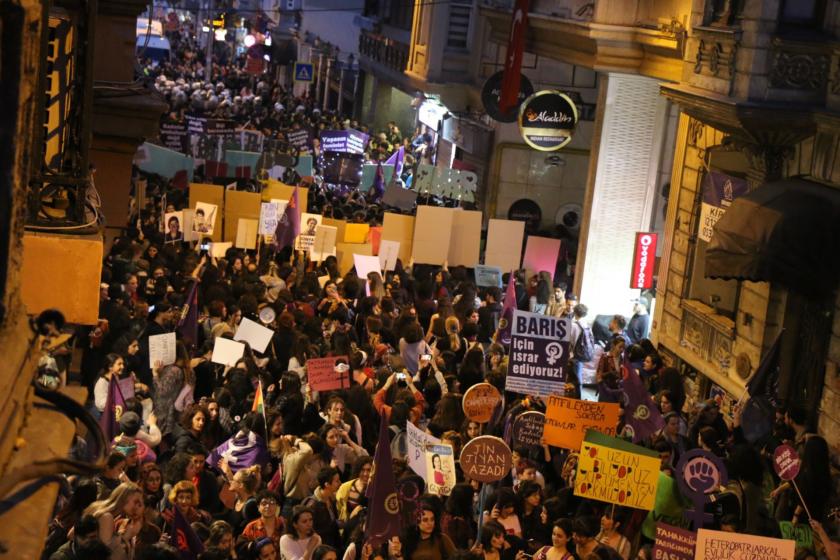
<point>801,14</point>
<point>460,12</point>
<point>400,13</point>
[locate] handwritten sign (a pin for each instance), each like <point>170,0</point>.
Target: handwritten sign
<point>786,462</point>
<point>323,375</point>
<point>528,429</point>
<point>801,534</point>
<point>416,442</point>
<point>440,469</point>
<point>567,420</point>
<point>486,459</point>
<point>162,349</point>
<point>617,472</point>
<point>719,545</point>
<point>673,543</point>
<point>479,402</point>
<point>539,349</point>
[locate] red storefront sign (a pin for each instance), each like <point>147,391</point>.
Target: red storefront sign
<point>644,257</point>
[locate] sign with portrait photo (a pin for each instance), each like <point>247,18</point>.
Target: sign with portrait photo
<point>440,469</point>
<point>204,218</point>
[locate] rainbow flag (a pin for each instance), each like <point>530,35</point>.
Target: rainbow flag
<point>259,403</point>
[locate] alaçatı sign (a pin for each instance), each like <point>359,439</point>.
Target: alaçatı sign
<point>547,120</point>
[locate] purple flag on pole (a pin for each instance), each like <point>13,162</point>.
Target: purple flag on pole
<point>186,541</point>
<point>384,512</point>
<point>640,412</point>
<point>241,451</point>
<point>114,406</point>
<point>288,226</point>
<point>188,325</point>
<point>509,306</point>
<point>396,160</point>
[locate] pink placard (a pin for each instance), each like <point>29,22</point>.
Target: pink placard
<point>541,253</point>
<point>322,375</point>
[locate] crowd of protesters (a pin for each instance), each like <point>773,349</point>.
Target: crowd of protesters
<point>292,483</point>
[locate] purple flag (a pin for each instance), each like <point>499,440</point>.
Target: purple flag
<point>640,412</point>
<point>188,324</point>
<point>241,451</point>
<point>383,520</point>
<point>186,541</point>
<point>509,306</point>
<point>378,186</point>
<point>114,406</point>
<point>288,226</point>
<point>396,159</point>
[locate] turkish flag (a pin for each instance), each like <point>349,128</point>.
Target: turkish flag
<point>513,60</point>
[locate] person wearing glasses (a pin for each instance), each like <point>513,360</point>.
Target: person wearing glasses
<point>269,524</point>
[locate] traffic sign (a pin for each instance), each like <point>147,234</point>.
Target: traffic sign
<point>303,72</point>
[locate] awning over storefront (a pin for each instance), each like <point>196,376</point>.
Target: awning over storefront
<point>786,231</point>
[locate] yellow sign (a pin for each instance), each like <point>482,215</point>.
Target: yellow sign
<point>617,472</point>
<point>567,420</point>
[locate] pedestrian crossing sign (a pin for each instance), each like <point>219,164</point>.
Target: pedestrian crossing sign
<point>303,72</point>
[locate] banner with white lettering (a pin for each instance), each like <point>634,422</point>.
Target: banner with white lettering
<point>539,350</point>
<point>719,191</point>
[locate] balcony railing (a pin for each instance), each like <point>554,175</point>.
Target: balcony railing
<point>580,10</point>
<point>707,335</point>
<point>384,50</point>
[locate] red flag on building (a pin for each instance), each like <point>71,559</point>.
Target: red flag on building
<point>513,59</point>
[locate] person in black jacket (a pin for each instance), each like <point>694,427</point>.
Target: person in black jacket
<point>324,508</point>
<point>488,315</point>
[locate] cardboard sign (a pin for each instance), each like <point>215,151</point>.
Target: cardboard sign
<point>528,429</point>
<point>465,238</point>
<point>673,543</point>
<point>719,545</point>
<point>800,533</point>
<point>345,251</point>
<point>254,334</point>
<point>488,276</point>
<point>162,349</point>
<point>389,252</point>
<point>173,223</point>
<point>396,227</point>
<point>322,375</point>
<point>227,352</point>
<point>246,233</point>
<point>440,469</point>
<point>308,230</point>
<point>786,462</point>
<point>486,459</point>
<point>432,234</point>
<point>480,401</point>
<point>539,350</point>
<point>324,244</point>
<point>568,420</point>
<point>219,249</point>
<point>204,219</point>
<point>617,472</point>
<point>356,233</point>
<point>541,254</point>
<point>416,442</point>
<point>504,244</point>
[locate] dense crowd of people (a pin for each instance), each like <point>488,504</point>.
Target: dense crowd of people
<point>292,483</point>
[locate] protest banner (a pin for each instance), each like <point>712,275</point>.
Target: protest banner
<point>432,234</point>
<point>465,238</point>
<point>416,442</point>
<point>324,375</point>
<point>567,420</point>
<point>324,244</point>
<point>238,205</point>
<point>226,351</point>
<point>174,224</point>
<point>365,264</point>
<point>162,349</point>
<point>204,219</point>
<point>254,334</point>
<point>480,401</point>
<point>539,350</point>
<point>269,213</point>
<point>348,141</point>
<point>541,253</point>
<point>389,252</point>
<point>786,462</point>
<point>700,474</point>
<point>214,195</point>
<point>440,469</point>
<point>344,252</point>
<point>246,234</point>
<point>720,545</point>
<point>486,459</point>
<point>375,238</point>
<point>617,472</point>
<point>308,230</point>
<point>219,249</point>
<point>504,244</point>
<point>488,276</point>
<point>800,533</point>
<point>528,429</point>
<point>397,227</point>
<point>673,543</point>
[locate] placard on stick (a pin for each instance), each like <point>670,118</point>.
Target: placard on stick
<point>416,442</point>
<point>162,349</point>
<point>720,545</point>
<point>432,234</point>
<point>254,334</point>
<point>486,459</point>
<point>541,253</point>
<point>539,351</point>
<point>673,543</point>
<point>322,375</point>
<point>528,429</point>
<point>567,420</point>
<point>227,352</point>
<point>479,402</point>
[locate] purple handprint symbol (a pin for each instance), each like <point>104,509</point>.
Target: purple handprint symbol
<point>702,475</point>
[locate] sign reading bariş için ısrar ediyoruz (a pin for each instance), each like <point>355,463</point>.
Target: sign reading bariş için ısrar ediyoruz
<point>539,351</point>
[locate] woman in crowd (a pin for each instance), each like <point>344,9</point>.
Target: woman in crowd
<point>300,540</point>
<point>425,541</point>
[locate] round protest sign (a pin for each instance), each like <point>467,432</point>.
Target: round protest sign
<point>479,402</point>
<point>528,429</point>
<point>700,473</point>
<point>547,120</point>
<point>492,90</point>
<point>486,459</point>
<point>786,462</point>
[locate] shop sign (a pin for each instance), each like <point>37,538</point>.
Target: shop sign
<point>347,141</point>
<point>430,113</point>
<point>492,91</point>
<point>644,257</point>
<point>547,120</point>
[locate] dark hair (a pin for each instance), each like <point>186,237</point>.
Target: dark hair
<point>267,495</point>
<point>322,551</point>
<point>190,412</point>
<point>460,500</point>
<point>490,529</point>
<point>325,475</point>
<point>297,511</point>
<point>745,464</point>
<point>529,488</point>
<point>85,525</point>
<point>413,333</point>
<point>586,525</point>
<point>360,464</point>
<point>177,467</point>
<point>565,524</point>
<point>114,459</point>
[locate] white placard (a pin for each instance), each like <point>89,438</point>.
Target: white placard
<point>162,348</point>
<point>324,244</point>
<point>416,442</point>
<point>226,351</point>
<point>322,280</point>
<point>366,264</point>
<point>218,249</point>
<point>254,334</point>
<point>389,252</point>
<point>246,233</point>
